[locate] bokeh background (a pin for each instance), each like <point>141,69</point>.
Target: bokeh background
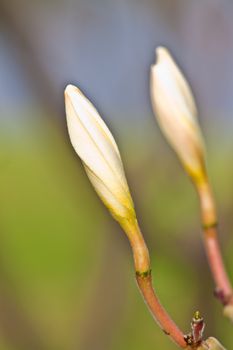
<point>66,271</point>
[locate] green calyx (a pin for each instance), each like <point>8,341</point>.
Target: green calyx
<point>143,274</point>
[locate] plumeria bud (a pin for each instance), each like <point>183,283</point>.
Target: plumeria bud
<point>228,312</point>
<point>175,109</point>
<point>211,344</point>
<point>99,153</point>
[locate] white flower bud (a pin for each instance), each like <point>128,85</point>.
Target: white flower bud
<point>211,344</point>
<point>228,311</point>
<point>176,112</point>
<point>99,153</point>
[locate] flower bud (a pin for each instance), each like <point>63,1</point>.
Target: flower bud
<point>211,344</point>
<point>175,109</point>
<point>99,153</point>
<point>228,311</point>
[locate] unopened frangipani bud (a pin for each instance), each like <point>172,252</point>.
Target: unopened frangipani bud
<point>211,344</point>
<point>228,312</point>
<point>99,153</point>
<point>175,109</point>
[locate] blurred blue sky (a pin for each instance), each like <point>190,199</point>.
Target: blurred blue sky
<point>107,47</point>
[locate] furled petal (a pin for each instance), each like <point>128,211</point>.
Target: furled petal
<point>175,109</point>
<point>211,344</point>
<point>97,148</point>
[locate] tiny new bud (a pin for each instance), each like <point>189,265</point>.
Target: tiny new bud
<point>195,337</point>
<point>99,153</point>
<point>197,327</point>
<point>175,109</point>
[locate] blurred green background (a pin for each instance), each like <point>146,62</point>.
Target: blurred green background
<point>66,271</point>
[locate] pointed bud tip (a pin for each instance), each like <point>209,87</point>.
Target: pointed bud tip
<point>161,54</point>
<point>73,93</point>
<point>71,89</point>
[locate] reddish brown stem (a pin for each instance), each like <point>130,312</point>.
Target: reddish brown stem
<point>223,285</point>
<point>158,312</point>
<point>213,252</point>
<point>144,280</point>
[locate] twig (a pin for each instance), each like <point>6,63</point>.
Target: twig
<point>144,281</point>
<point>224,290</point>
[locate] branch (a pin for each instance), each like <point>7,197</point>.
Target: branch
<point>144,281</point>
<point>223,289</point>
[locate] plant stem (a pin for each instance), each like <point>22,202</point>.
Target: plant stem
<point>138,245</point>
<point>160,315</point>
<point>144,281</point>
<point>213,252</point>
